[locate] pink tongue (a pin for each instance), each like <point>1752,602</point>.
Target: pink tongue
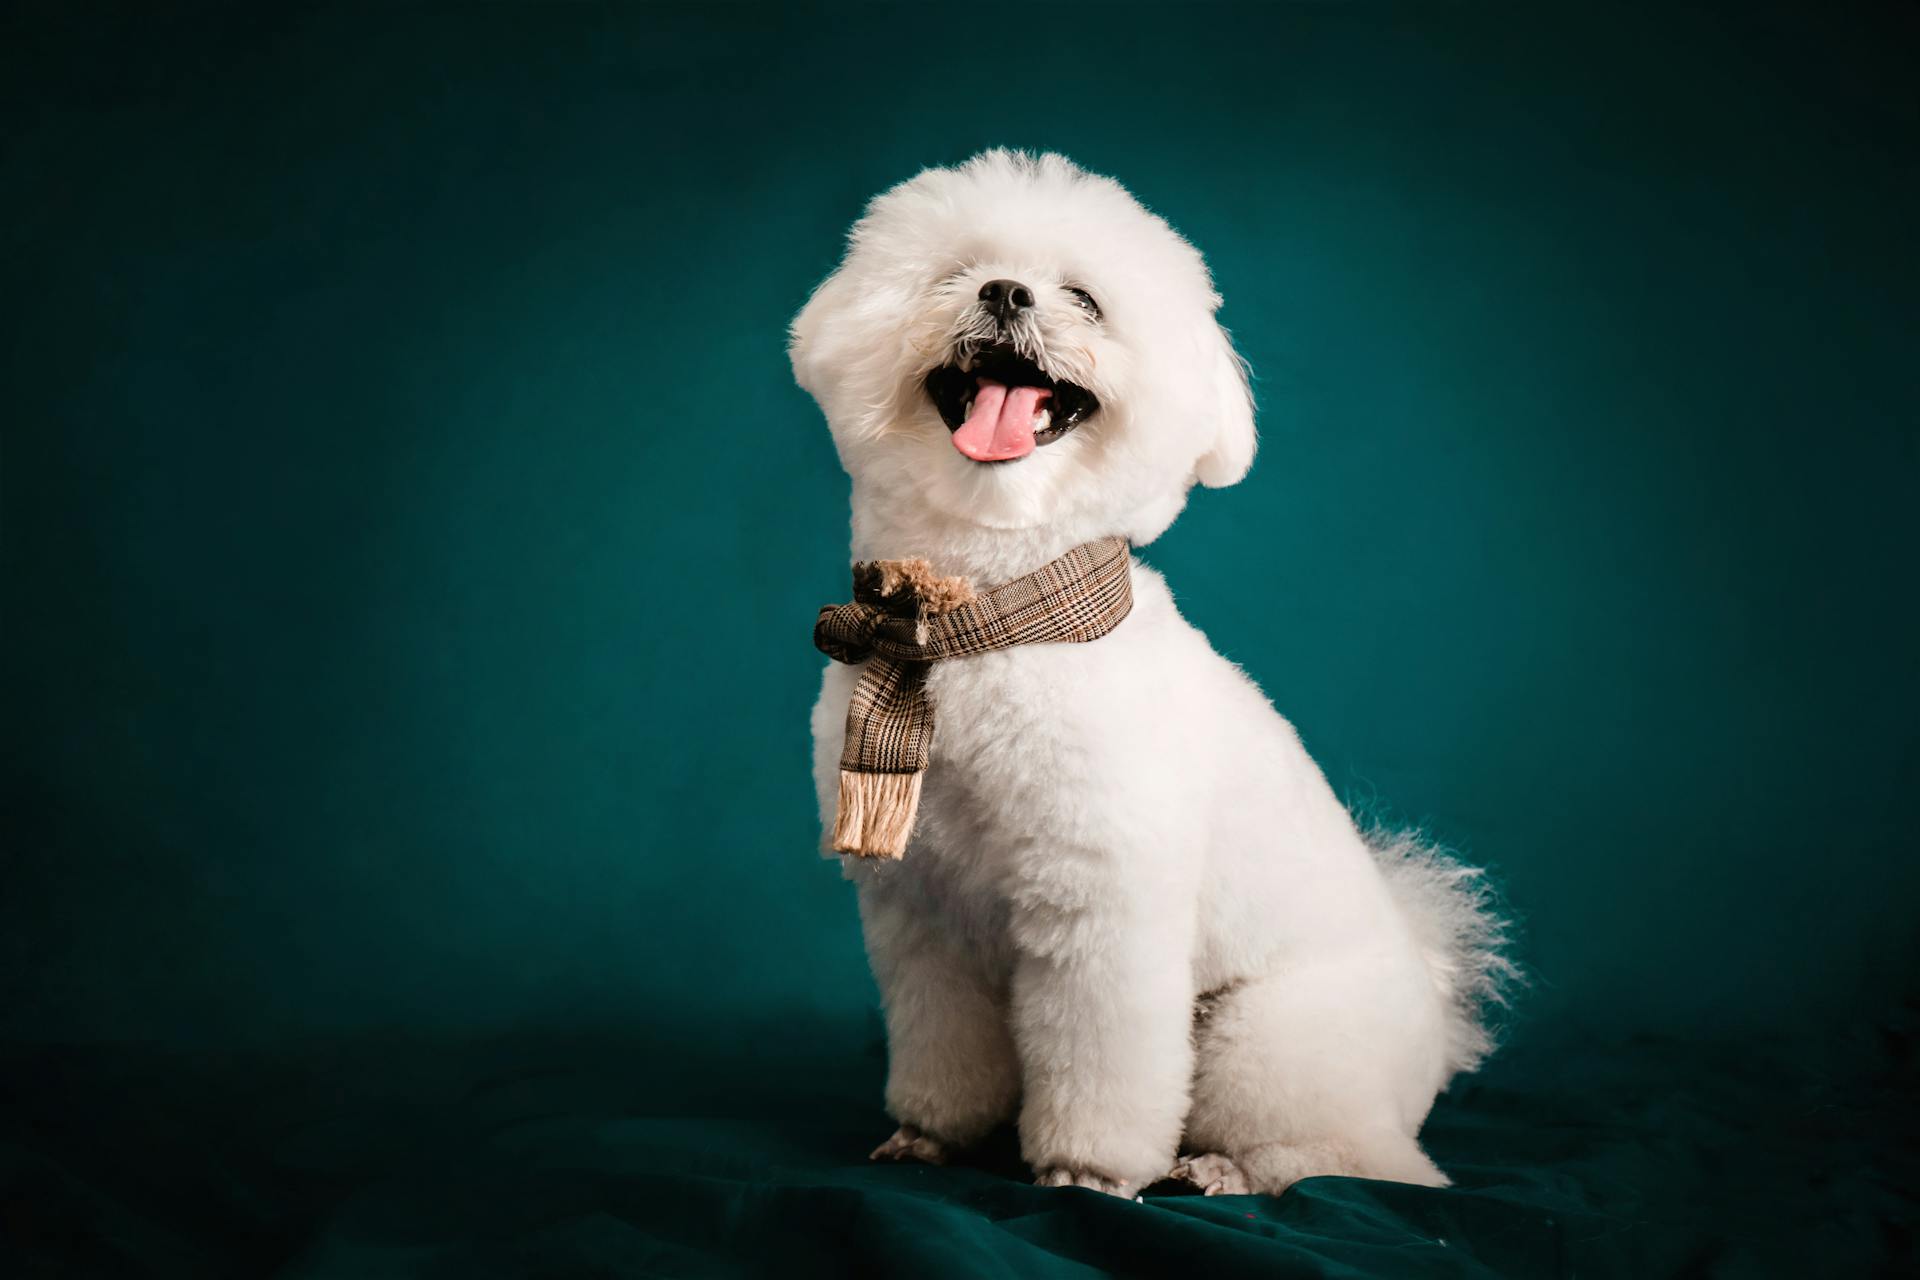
<point>1001,424</point>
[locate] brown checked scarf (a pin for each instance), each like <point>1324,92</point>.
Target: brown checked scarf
<point>902,620</point>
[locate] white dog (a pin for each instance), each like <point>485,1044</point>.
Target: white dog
<point>1133,912</point>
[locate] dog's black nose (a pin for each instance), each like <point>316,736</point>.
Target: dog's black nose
<point>1006,298</point>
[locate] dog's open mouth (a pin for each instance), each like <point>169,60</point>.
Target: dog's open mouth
<point>1001,405</point>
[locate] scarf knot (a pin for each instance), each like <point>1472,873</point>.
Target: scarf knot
<point>902,619</point>
<point>846,632</point>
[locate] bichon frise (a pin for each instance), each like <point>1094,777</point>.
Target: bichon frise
<point>1133,912</point>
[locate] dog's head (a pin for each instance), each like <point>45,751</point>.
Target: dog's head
<point>1016,343</point>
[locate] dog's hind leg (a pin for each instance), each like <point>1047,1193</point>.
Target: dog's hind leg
<point>1324,1069</point>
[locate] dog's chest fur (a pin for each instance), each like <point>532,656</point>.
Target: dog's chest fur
<point>1048,783</point>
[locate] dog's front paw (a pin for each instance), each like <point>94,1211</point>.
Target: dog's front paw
<point>908,1143</point>
<point>1085,1178</point>
<point>1212,1175</point>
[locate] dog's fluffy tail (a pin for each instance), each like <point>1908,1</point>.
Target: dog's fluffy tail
<point>1457,918</point>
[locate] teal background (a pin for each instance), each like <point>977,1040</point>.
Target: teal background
<point>412,533</point>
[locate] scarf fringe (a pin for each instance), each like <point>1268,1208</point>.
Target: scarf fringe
<point>876,813</point>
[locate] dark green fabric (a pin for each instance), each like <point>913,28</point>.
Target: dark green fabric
<point>740,1153</point>
<point>370,372</point>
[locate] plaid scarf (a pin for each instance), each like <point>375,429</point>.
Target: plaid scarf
<point>902,620</point>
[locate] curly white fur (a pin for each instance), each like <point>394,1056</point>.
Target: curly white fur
<point>1134,914</point>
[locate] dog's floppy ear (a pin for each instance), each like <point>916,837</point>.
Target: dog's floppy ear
<point>1230,405</point>
<point>810,340</point>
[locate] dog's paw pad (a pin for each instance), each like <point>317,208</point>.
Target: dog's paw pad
<point>908,1143</point>
<point>1084,1178</point>
<point>1211,1174</point>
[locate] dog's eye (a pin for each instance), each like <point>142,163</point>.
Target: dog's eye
<point>1083,300</point>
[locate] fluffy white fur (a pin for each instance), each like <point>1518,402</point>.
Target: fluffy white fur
<point>1134,914</point>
